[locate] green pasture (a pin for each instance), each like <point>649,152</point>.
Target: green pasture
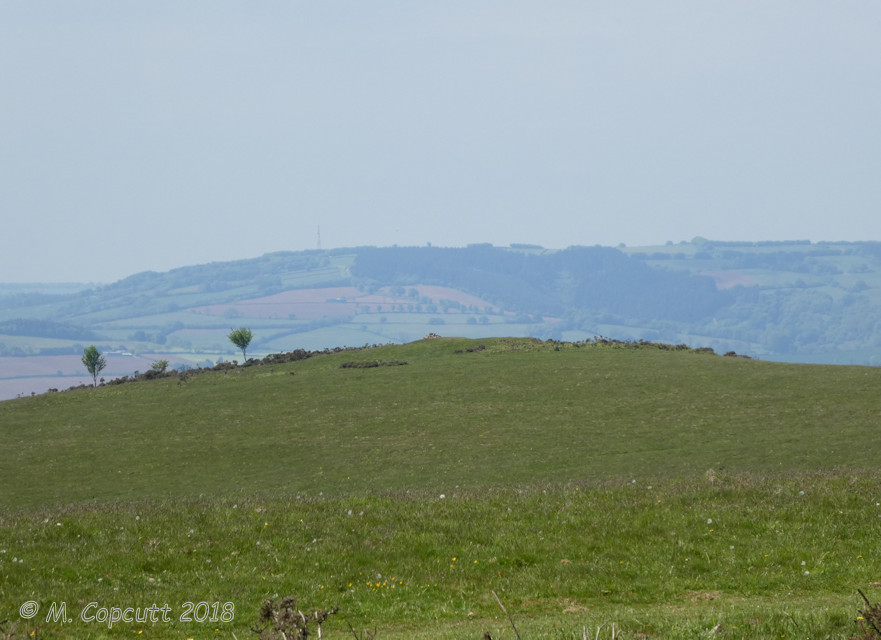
<point>672,493</point>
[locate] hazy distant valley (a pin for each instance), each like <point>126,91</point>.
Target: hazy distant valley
<point>793,301</point>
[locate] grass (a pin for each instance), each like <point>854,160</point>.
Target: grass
<point>760,556</point>
<point>517,413</point>
<point>585,486</point>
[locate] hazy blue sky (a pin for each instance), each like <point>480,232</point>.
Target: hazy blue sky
<point>150,135</point>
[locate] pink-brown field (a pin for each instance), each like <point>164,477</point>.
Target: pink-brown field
<point>728,279</point>
<point>312,304</point>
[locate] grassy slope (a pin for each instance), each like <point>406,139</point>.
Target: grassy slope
<point>496,417</point>
<point>151,481</point>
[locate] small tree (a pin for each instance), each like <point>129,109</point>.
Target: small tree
<point>94,362</point>
<point>241,337</point>
<point>159,366</point>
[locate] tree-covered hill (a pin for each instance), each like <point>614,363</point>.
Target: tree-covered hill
<point>598,280</point>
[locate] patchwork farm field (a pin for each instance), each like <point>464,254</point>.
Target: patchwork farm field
<point>597,489</point>
<point>312,304</point>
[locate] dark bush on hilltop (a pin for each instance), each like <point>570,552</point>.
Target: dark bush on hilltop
<point>480,347</point>
<point>290,356</point>
<point>370,364</point>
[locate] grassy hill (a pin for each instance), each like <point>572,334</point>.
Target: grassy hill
<point>664,490</point>
<point>518,411</point>
<point>793,301</point>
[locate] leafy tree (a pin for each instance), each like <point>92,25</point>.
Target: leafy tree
<point>241,337</point>
<point>94,362</point>
<point>159,366</point>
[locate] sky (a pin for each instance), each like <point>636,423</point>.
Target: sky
<point>142,136</point>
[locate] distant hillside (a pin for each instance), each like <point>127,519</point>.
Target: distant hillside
<point>594,280</point>
<point>799,301</point>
